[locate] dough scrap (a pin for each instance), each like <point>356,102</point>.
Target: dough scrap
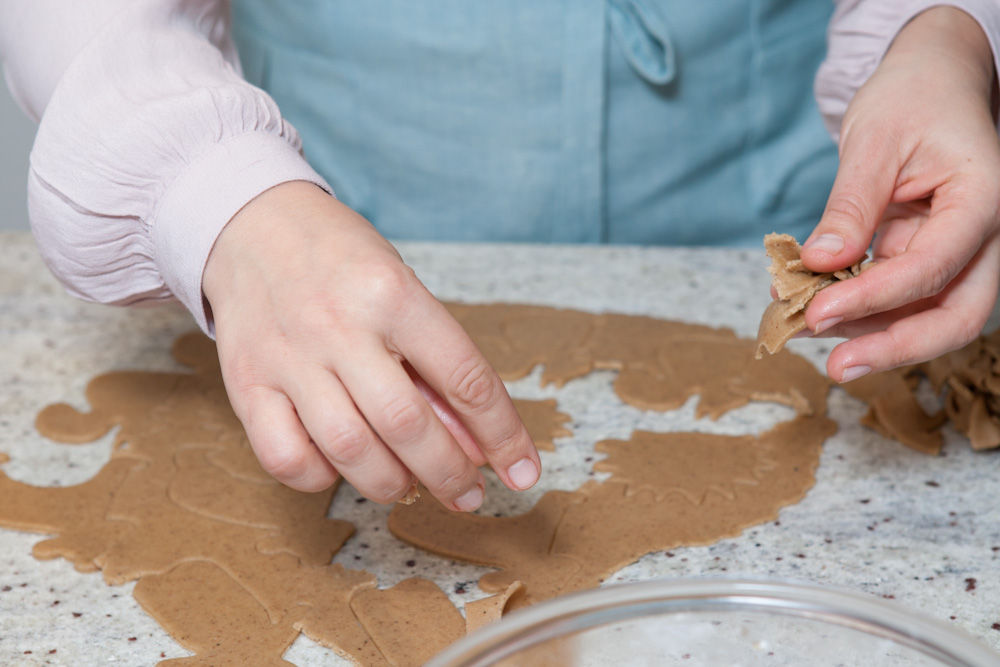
<point>795,286</point>
<point>968,378</point>
<point>184,509</point>
<point>893,409</point>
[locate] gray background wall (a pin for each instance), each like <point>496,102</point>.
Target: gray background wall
<point>17,132</point>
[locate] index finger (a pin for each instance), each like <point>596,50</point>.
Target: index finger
<point>935,255</point>
<point>447,358</point>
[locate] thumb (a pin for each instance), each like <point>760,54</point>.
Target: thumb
<point>866,179</point>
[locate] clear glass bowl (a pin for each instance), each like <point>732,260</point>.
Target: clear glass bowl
<point>702,622</point>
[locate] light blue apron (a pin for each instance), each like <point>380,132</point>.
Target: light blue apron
<point>620,121</point>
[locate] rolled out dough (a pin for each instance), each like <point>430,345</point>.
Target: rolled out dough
<point>234,565</point>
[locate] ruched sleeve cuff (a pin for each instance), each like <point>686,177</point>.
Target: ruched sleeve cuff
<point>150,142</point>
<point>202,199</point>
<point>861,32</point>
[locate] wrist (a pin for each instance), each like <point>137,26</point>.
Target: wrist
<point>255,235</point>
<point>945,38</point>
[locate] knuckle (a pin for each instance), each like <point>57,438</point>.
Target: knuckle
<point>868,297</point>
<point>242,375</point>
<point>848,208</point>
<point>312,483</point>
<point>452,483</point>
<point>938,275</point>
<point>287,465</point>
<point>969,328</point>
<point>508,441</point>
<point>389,491</point>
<point>474,386</point>
<point>391,283</point>
<point>346,443</point>
<point>899,353</point>
<point>403,419</point>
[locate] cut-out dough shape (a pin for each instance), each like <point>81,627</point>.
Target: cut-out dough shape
<point>410,622</point>
<point>282,584</point>
<point>202,488</point>
<point>242,634</point>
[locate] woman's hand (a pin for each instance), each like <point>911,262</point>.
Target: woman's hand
<point>338,360</point>
<point>919,171</point>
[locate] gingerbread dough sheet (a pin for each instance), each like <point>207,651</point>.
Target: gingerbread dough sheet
<point>234,565</point>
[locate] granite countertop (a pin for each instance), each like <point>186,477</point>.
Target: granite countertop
<point>882,519</point>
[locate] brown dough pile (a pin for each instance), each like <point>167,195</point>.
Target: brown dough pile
<point>235,565</point>
<point>795,285</point>
<point>968,379</point>
<point>972,377</point>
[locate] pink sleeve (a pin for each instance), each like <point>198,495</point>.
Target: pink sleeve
<point>860,33</point>
<point>149,141</point>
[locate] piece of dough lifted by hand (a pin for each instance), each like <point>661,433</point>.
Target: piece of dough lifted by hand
<point>795,285</point>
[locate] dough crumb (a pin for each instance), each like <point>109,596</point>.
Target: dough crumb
<point>411,495</point>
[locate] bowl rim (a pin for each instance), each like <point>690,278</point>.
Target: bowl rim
<point>591,608</point>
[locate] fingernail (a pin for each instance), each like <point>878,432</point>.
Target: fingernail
<point>854,372</point>
<point>830,243</point>
<point>805,333</point>
<point>523,474</point>
<point>470,500</point>
<point>823,325</point>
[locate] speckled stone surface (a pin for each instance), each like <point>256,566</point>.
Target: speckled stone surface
<point>922,531</point>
